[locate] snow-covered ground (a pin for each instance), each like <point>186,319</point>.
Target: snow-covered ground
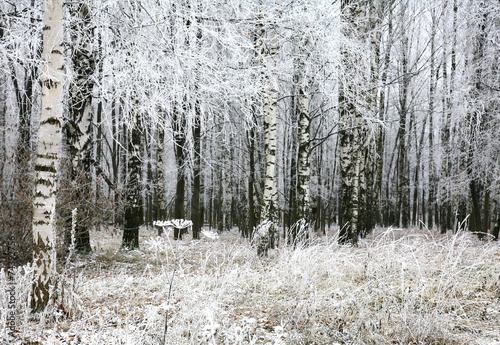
<point>396,287</point>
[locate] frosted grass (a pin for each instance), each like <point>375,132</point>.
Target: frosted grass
<point>396,287</point>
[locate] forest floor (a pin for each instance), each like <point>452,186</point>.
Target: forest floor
<point>396,287</point>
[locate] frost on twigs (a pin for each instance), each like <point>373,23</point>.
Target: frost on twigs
<point>261,237</point>
<point>298,234</point>
<point>173,224</point>
<point>210,234</point>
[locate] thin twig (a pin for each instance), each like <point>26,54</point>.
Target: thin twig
<point>168,301</point>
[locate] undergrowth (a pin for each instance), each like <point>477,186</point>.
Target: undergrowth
<point>396,287</point>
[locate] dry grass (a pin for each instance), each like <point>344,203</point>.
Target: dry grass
<point>397,287</point>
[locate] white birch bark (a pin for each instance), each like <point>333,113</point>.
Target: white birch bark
<point>269,98</point>
<point>304,124</point>
<point>352,138</point>
<point>49,141</point>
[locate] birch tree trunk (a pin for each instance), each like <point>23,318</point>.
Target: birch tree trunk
<point>446,163</point>
<point>403,187</point>
<point>269,97</point>
<point>79,128</point>
<point>349,171</point>
<point>352,135</point>
<point>303,166</point>
<point>49,141</point>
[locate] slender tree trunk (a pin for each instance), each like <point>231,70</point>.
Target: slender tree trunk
<point>227,186</point>
<point>486,212</point>
<point>24,98</point>
<point>303,166</point>
<point>251,182</point>
<point>403,188</point>
<point>3,108</point>
<point>349,180</point>
<point>219,202</point>
<point>134,209</point>
<point>293,211</point>
<point>417,200</point>
<point>149,188</point>
<point>196,214</point>
<point>179,127</point>
<point>381,77</point>
<point>269,210</point>
<point>79,128</point>
<point>432,95</point>
<point>446,165</point>
<point>161,212</point>
<point>123,166</point>
<point>475,123</point>
<point>24,101</point>
<point>50,136</point>
<point>115,162</point>
<point>99,134</point>
<point>475,223</point>
<point>380,139</point>
<point>496,225</point>
<point>352,136</point>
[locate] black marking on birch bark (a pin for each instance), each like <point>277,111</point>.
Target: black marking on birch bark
<point>40,195</point>
<point>40,222</point>
<point>51,120</point>
<point>45,182</point>
<point>41,168</point>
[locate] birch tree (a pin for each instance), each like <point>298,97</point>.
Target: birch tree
<point>402,201</point>
<point>268,45</point>
<point>352,136</point>
<point>304,144</point>
<point>48,147</point>
<point>79,128</point>
<point>446,132</point>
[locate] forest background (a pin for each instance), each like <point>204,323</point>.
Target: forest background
<point>306,114</point>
